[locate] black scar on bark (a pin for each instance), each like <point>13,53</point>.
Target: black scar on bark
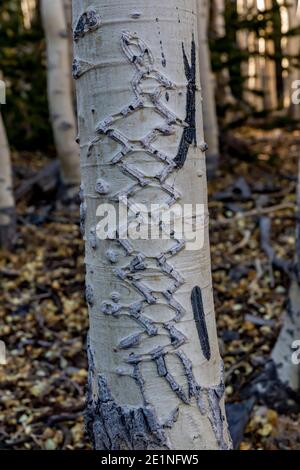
<point>88,21</point>
<point>199,316</point>
<point>189,135</point>
<point>115,427</point>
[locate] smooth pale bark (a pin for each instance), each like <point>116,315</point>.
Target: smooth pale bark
<point>60,92</point>
<point>155,375</point>
<point>287,372</point>
<point>210,122</point>
<point>7,203</point>
<point>28,8</point>
<point>68,14</point>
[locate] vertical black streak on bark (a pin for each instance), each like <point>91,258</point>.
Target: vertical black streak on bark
<point>189,135</point>
<point>199,317</point>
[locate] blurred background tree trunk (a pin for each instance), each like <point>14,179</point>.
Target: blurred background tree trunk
<point>207,79</point>
<point>289,373</point>
<point>68,15</point>
<point>268,67</point>
<point>246,44</point>
<point>60,92</point>
<point>217,29</point>
<point>7,204</point>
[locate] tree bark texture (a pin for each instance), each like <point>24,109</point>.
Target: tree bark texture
<point>60,92</point>
<point>7,203</point>
<point>289,373</point>
<point>210,122</point>
<point>155,373</point>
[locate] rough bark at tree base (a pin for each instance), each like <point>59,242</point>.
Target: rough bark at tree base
<point>111,426</point>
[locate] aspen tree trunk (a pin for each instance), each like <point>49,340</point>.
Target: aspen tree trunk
<point>242,40</point>
<point>155,373</point>
<point>224,94</point>
<point>210,122</point>
<point>257,62</point>
<point>68,15</point>
<point>289,373</point>
<point>253,70</point>
<point>247,43</point>
<point>60,93</point>
<point>293,50</point>
<point>7,203</point>
<point>269,67</point>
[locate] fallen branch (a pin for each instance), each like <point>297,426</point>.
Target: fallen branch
<point>253,213</point>
<point>47,178</point>
<point>265,240</point>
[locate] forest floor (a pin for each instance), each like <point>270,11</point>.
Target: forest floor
<point>43,315</point>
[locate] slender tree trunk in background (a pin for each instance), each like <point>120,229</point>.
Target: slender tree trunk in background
<point>223,94</point>
<point>155,373</point>
<point>293,50</point>
<point>256,64</point>
<point>60,93</point>
<point>68,13</point>
<point>269,67</point>
<point>210,122</point>
<point>287,372</point>
<point>247,43</point>
<point>68,16</point>
<point>7,203</point>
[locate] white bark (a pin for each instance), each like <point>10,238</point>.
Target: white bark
<point>68,15</point>
<point>218,18</point>
<point>287,372</point>
<point>208,89</point>
<point>60,92</point>
<point>7,203</point>
<point>153,383</point>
